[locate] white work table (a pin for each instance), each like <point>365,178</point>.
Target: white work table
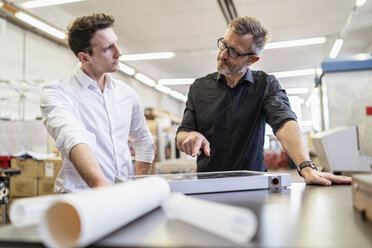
<point>298,216</point>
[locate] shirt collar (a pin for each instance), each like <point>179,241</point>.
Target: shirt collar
<point>248,77</point>
<point>85,81</point>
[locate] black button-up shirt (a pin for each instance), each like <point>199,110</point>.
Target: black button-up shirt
<point>233,119</point>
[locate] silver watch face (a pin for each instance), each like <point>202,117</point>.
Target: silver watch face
<point>307,164</point>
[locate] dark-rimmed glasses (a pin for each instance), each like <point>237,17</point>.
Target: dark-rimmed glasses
<point>230,51</point>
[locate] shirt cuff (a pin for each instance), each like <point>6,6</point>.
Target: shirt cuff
<point>65,143</point>
<point>145,157</point>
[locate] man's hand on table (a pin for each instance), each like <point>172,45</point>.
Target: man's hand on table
<point>312,176</point>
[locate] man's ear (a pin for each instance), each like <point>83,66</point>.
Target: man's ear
<point>253,60</point>
<point>83,57</point>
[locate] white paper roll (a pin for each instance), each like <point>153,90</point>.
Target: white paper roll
<point>233,223</point>
<point>82,218</point>
<point>29,211</point>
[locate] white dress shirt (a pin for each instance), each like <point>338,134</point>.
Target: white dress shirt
<point>76,111</point>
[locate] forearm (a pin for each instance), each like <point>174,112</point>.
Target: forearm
<point>290,136</point>
<point>143,168</point>
<point>86,164</point>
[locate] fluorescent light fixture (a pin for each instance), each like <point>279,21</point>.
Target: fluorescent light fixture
<point>362,56</point>
<point>336,48</point>
<point>147,56</point>
<point>294,43</point>
<point>178,95</point>
<point>43,3</point>
<point>294,73</point>
<point>1,4</point>
<point>297,91</point>
<point>163,88</point>
<point>360,2</point>
<point>144,79</point>
<point>176,81</point>
<point>40,25</point>
<point>126,69</point>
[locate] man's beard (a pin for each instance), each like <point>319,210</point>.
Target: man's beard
<point>229,69</point>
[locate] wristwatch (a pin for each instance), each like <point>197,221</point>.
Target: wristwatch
<point>306,164</point>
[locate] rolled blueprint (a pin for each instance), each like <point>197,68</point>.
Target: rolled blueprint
<point>79,219</point>
<point>29,211</point>
<point>233,223</point>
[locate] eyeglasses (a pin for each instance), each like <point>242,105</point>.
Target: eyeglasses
<point>230,51</point>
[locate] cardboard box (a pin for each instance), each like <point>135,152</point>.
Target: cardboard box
<point>49,168</point>
<point>23,186</point>
<point>30,167</point>
<point>45,186</point>
<point>362,194</point>
<point>34,168</point>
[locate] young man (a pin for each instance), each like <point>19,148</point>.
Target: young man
<point>226,111</point>
<point>91,115</point>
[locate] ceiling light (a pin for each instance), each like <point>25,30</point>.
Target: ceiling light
<point>336,48</point>
<point>1,4</point>
<point>147,56</point>
<point>360,2</point>
<point>178,95</point>
<point>297,91</point>
<point>294,43</point>
<point>144,79</point>
<point>362,56</point>
<point>163,88</point>
<point>40,25</point>
<point>176,81</point>
<point>43,3</point>
<point>126,69</point>
<point>294,73</point>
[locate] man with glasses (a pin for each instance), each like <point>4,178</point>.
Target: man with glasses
<point>226,111</point>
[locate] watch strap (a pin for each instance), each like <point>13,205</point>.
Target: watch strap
<point>306,164</point>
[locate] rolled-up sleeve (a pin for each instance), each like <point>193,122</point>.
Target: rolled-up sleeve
<point>140,134</point>
<point>61,121</point>
<point>276,105</point>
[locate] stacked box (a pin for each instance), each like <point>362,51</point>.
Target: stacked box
<point>49,168</point>
<point>25,184</point>
<point>30,167</point>
<point>37,177</point>
<point>21,186</point>
<point>48,172</point>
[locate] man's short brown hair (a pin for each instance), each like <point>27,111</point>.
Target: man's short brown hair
<point>249,25</point>
<point>82,30</point>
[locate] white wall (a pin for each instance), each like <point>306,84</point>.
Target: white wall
<point>27,56</point>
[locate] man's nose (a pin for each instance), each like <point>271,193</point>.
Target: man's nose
<point>224,54</point>
<point>118,52</point>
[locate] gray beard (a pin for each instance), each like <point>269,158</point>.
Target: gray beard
<point>228,72</point>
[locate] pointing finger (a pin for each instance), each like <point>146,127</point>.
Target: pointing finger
<point>196,147</point>
<point>207,149</point>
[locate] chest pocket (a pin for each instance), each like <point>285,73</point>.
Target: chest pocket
<point>203,114</point>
